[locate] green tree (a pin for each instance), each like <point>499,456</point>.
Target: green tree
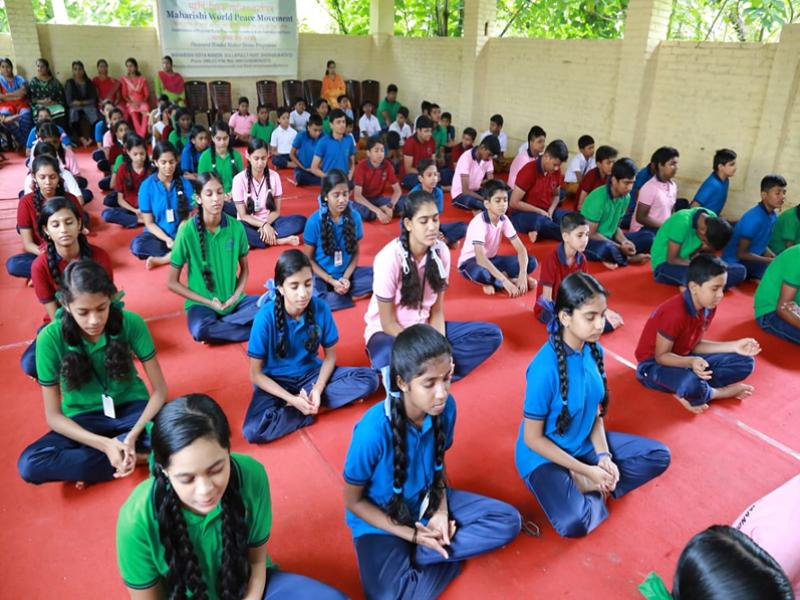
<point>414,18</point>
<point>124,13</point>
<point>3,18</point>
<point>561,19</point>
<point>731,20</point>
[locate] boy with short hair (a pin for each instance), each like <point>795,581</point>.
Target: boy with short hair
<point>501,163</point>
<point>322,108</point>
<point>749,244</point>
<point>536,194</point>
<point>302,153</point>
<point>786,232</point>
<point>263,127</point>
<point>604,209</point>
<point>674,356</point>
<point>468,137</point>
<point>388,107</point>
<point>447,123</point>
<point>713,193</point>
<point>298,119</point>
<point>335,151</point>
<point>394,153</point>
<point>598,176</point>
<point>657,197</point>
<point>439,133</point>
<point>241,122</point>
<point>281,141</point>
<point>418,147</point>
<point>370,179</point>
<point>777,296</point>
<point>424,111</point>
<point>473,168</point>
<point>400,125</point>
<point>368,124</point>
<point>528,152</point>
<point>428,180</point>
<point>580,164</point>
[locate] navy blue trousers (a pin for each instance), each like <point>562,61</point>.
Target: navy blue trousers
<point>446,177</point>
<point>120,216</point>
<point>467,202</point>
<point>105,183</point>
<point>282,585</point>
<point>772,323</point>
<point>281,161</point>
<point>146,245</point>
<point>207,325</point>
<point>505,264</point>
<point>453,231</point>
<point>472,341</point>
<point>726,369</point>
<point>54,457</point>
<point>368,215</point>
<point>548,229</point>
<point>755,269</point>
<point>409,181</point>
<point>676,274</point>
<point>394,569</point>
<point>302,177</point>
<point>283,226</point>
<point>20,265</point>
<point>360,286</point>
<point>269,417</point>
<point>574,514</point>
<point>607,251</point>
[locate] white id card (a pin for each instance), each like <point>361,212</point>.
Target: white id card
<point>108,407</point>
<point>170,215</point>
<point>338,259</point>
<point>424,506</point>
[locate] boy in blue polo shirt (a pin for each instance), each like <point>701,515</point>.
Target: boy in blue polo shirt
<point>335,151</point>
<point>674,355</point>
<point>714,192</point>
<point>303,148</point>
<point>749,245</point>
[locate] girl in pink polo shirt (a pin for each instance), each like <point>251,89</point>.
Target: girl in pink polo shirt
<point>656,199</point>
<point>410,277</point>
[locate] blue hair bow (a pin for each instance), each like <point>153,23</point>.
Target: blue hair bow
<point>270,294</point>
<point>386,378</point>
<point>323,206</point>
<point>553,325</point>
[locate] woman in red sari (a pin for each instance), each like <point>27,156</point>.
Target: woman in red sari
<point>107,87</point>
<point>170,84</point>
<point>133,88</point>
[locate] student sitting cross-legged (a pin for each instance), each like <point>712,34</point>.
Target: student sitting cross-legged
<point>302,152</point>
<point>777,298</point>
<point>786,232</point>
<point>675,356</point>
<point>598,176</point>
<point>428,177</point>
<point>528,152</point>
<point>370,179</point>
<point>472,169</point>
<point>336,150</point>
<point>713,193</point>
<point>657,199</point>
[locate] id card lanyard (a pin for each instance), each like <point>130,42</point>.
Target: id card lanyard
<point>108,401</point>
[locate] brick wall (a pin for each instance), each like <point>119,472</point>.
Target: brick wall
<point>6,47</point>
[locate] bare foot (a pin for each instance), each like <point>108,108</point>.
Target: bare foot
<point>153,262</point>
<point>29,282</point>
<point>699,409</point>
<point>488,290</point>
<point>681,288</point>
<point>740,391</point>
<point>532,283</point>
<point>532,235</point>
<point>610,265</point>
<point>638,259</point>
<point>80,485</point>
<point>583,483</point>
<point>289,240</point>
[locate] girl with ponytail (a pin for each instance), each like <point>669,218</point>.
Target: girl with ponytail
<point>411,530</point>
<point>563,452</point>
<point>257,195</point>
<point>222,159</point>
<point>165,201</point>
<point>95,403</point>
<point>331,239</point>
<point>290,382</point>
<point>411,275</point>
<point>123,205</point>
<point>199,525</point>
<point>214,246</point>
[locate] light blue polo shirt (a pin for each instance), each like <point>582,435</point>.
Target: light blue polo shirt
<point>154,198</point>
<point>190,159</point>
<point>755,225</point>
<point>312,235</point>
<point>713,193</point>
<point>306,146</point>
<point>438,194</point>
<point>335,154</point>
<point>543,403</point>
<point>370,461</point>
<point>298,361</point>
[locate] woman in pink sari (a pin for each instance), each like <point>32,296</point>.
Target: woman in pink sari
<point>170,84</point>
<point>107,87</point>
<point>134,92</point>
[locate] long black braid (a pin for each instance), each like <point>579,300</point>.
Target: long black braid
<point>348,229</point>
<point>564,417</point>
<point>250,204</point>
<point>412,289</point>
<point>50,208</point>
<point>200,223</point>
<point>45,160</point>
<point>598,359</point>
<point>289,263</point>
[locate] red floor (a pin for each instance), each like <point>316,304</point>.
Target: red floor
<point>55,539</point>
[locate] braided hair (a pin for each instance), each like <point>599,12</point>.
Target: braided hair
<point>575,290</point>
<point>333,178</point>
<point>133,140</point>
<point>216,128</point>
<point>250,205</point>
<point>412,289</point>
<point>87,277</point>
<point>50,208</point>
<point>181,112</point>
<point>45,160</point>
<point>160,149</point>
<point>177,425</point>
<point>413,350</point>
<point>200,224</point>
<point>289,263</point>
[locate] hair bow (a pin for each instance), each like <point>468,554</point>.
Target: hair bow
<point>270,294</point>
<point>404,257</point>
<point>440,265</point>
<point>323,206</point>
<point>653,588</point>
<point>386,378</point>
<point>553,325</point>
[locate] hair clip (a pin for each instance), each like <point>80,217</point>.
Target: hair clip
<point>438,260</point>
<point>404,257</point>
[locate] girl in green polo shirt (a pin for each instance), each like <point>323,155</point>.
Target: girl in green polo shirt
<point>95,403</point>
<point>199,525</point>
<point>215,247</point>
<point>222,159</point>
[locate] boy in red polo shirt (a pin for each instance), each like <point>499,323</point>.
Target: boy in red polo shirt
<point>371,177</point>
<point>468,137</point>
<point>675,357</point>
<point>536,194</point>
<point>418,147</point>
<point>604,157</point>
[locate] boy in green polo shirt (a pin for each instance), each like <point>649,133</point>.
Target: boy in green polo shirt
<point>388,107</point>
<point>263,127</point>
<point>778,294</point>
<point>786,232</point>
<point>604,209</point>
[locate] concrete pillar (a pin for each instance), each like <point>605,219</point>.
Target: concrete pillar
<point>24,36</point>
<point>381,17</point>
<point>479,25</point>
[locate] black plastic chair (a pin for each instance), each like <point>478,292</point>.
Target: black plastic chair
<point>313,91</point>
<point>197,99</point>
<point>267,93</point>
<point>292,90</point>
<point>221,99</point>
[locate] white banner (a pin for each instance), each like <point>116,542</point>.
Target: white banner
<point>229,38</point>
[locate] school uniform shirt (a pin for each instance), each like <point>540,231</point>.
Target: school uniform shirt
<point>224,248</point>
<point>502,138</point>
<point>178,140</point>
<point>387,285</point>
<point>755,225</point>
<point>116,154</point>
<point>108,139</point>
<point>482,232</point>
<point>643,176</point>
<point>100,129</point>
<point>373,180</point>
<point>660,196</point>
<point>264,337</point>
<point>680,228</point>
<point>369,125</point>
<point>370,461</point>
<point>299,121</point>
<point>263,131</point>
<point>44,285</point>
<point>784,269</point>
<point>439,135</point>
<point>241,124</point>
<point>455,154</point>
<point>305,147</point>
<point>438,195</point>
<point>140,550</point>
<point>33,136</point>
<point>224,166</point>
<point>335,154</point>
<point>593,180</point>
<point>258,191</point>
<point>312,235</point>
<point>391,107</point>
<point>713,193</point>
<point>786,230</point>
<point>51,347</point>
<point>602,208</point>
<point>190,159</point>
<point>157,200</point>
<point>282,139</point>
<point>404,132</point>
<point>554,270</point>
<point>677,320</point>
<point>417,150</point>
<point>543,403</point>
<point>578,163</point>
<point>520,160</point>
<point>128,182</point>
<point>539,187</point>
<point>475,170</point>
<point>70,185</point>
<point>27,216</point>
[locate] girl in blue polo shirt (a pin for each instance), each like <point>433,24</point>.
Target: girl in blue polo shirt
<point>563,452</point>
<point>190,155</point>
<point>331,240</point>
<point>165,200</point>
<point>290,382</point>
<point>200,524</point>
<point>411,530</point>
<point>94,401</point>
